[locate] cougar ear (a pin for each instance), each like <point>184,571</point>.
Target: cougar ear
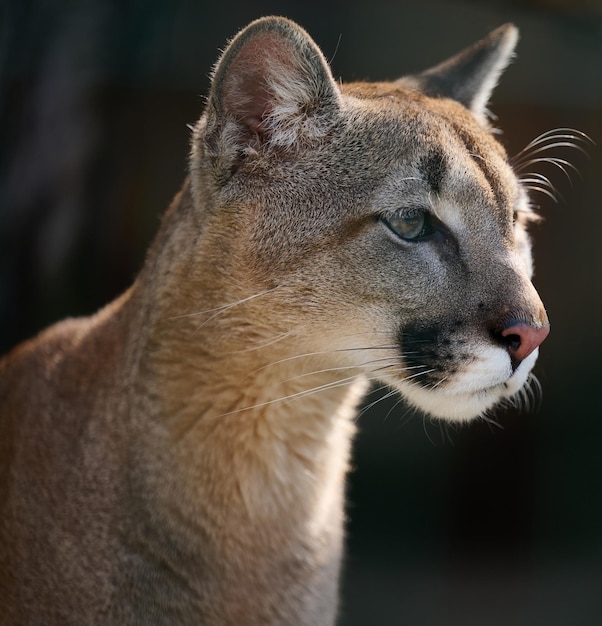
<point>470,76</point>
<point>271,87</point>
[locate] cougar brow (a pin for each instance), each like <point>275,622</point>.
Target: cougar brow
<point>480,158</point>
<point>432,169</point>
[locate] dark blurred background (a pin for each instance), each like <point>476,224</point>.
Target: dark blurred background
<point>481,525</point>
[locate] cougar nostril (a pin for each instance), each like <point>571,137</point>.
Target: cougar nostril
<point>512,342</point>
<point>521,339</point>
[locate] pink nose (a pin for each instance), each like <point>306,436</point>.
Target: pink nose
<point>521,339</point>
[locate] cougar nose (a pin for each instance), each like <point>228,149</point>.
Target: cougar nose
<point>521,338</point>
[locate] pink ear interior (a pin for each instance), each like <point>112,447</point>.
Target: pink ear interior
<point>246,94</point>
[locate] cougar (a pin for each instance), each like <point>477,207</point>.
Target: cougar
<point>180,456</point>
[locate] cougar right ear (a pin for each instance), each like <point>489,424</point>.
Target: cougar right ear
<point>271,88</point>
<point>470,76</point>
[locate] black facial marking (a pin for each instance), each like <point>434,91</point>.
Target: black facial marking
<point>432,168</point>
<point>432,352</point>
<point>479,157</point>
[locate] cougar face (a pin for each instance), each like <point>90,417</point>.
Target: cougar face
<point>461,311</point>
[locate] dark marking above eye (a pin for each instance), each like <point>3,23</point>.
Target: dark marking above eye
<point>433,168</point>
<point>479,155</point>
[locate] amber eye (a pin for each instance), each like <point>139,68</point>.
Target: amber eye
<point>410,226</point>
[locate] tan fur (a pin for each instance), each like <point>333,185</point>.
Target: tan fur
<point>180,457</point>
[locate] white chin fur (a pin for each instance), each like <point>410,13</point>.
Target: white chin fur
<point>471,393</point>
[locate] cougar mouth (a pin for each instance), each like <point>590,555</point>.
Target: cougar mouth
<point>460,380</point>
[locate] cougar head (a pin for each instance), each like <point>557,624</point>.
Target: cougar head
<point>384,219</point>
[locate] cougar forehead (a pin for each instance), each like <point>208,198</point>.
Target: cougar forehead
<point>439,138</point>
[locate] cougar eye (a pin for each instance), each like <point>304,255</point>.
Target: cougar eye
<point>410,226</point>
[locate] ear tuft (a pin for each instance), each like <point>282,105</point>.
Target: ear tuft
<point>272,87</point>
<point>470,76</point>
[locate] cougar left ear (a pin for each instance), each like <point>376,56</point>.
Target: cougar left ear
<point>271,88</point>
<point>470,76</point>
